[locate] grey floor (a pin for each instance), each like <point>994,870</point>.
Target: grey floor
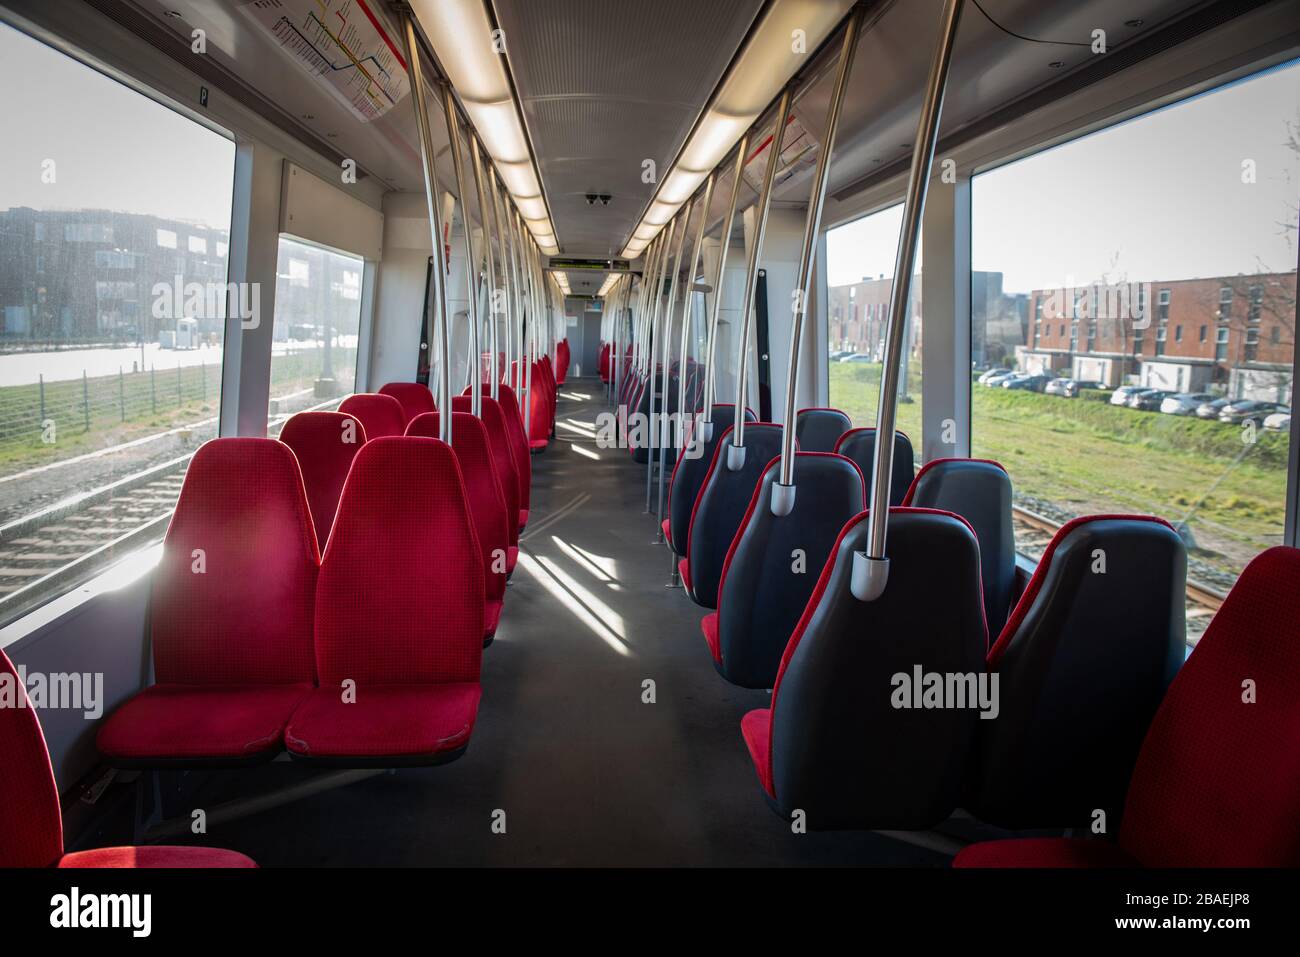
<point>584,771</point>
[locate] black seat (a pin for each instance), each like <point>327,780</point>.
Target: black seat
<point>688,476</point>
<point>979,491</point>
<point>1082,666</point>
<point>720,507</point>
<point>860,446</point>
<point>835,744</point>
<point>819,430</point>
<point>774,564</point>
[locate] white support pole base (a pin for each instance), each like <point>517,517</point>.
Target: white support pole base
<point>782,499</point>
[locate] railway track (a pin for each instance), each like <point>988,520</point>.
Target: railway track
<point>1034,532</point>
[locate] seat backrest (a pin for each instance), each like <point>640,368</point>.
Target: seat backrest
<point>232,594</point>
<point>380,415</point>
<point>773,562</point>
<point>415,398</point>
<point>487,503</point>
<point>325,444</point>
<point>860,446</point>
<point>502,458</point>
<point>979,491</point>
<point>509,403</point>
<point>722,503</point>
<point>691,467</point>
<point>31,825</point>
<point>860,735</point>
<point>400,596</point>
<point>1082,663</point>
<point>1217,782</point>
<point>819,430</point>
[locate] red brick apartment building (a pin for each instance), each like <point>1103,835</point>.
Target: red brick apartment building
<point>1232,335</point>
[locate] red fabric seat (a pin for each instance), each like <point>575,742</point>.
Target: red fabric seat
<point>523,518</point>
<point>211,725</point>
<point>151,856</point>
<point>756,729</point>
<point>325,444</point>
<point>684,569</point>
<point>1043,852</point>
<point>512,559</point>
<point>379,415</point>
<point>709,625</point>
<point>518,440</point>
<point>415,398</point>
<point>232,643</point>
<point>667,527</point>
<point>388,724</point>
<point>486,502</point>
<point>492,616</point>
<point>31,825</point>
<point>502,460</point>
<point>1217,782</point>
<point>399,615</point>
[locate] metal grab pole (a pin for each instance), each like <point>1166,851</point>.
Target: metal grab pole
<point>656,443</point>
<point>783,491</point>
<point>526,341</point>
<point>657,296</point>
<point>665,415</point>
<point>710,362</point>
<point>736,451</point>
<point>487,212</point>
<point>442,334</point>
<point>871,568</point>
<point>687,322</point>
<point>458,164</point>
<point>503,239</point>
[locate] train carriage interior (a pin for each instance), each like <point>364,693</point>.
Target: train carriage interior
<point>649,433</point>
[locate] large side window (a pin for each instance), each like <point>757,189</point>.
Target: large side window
<point>1133,321</point>
<point>317,318</point>
<point>860,258</point>
<point>114,224</point>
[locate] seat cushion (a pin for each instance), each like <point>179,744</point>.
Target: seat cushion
<point>756,728</point>
<point>523,519</point>
<point>537,445</point>
<point>491,617</point>
<point>418,724</point>
<point>684,569</point>
<point>512,559</point>
<point>156,856</point>
<point>220,724</point>
<point>1043,852</point>
<point>709,625</point>
<point>667,526</point>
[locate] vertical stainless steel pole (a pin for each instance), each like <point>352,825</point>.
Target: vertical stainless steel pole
<point>665,414</point>
<point>664,332</point>
<point>440,325</point>
<point>736,451</point>
<point>507,282</point>
<point>657,296</point>
<point>871,568</point>
<point>487,213</point>
<point>783,492</point>
<point>687,320</point>
<point>471,271</point>
<point>710,363</point>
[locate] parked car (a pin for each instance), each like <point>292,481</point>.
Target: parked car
<point>992,374</point>
<point>1055,387</point>
<point>1149,400</point>
<point>1184,403</point>
<point>1125,392</point>
<point>995,381</point>
<point>1070,388</point>
<point>1240,410</point>
<point>1211,409</point>
<point>1033,382</point>
<point>1279,421</point>
<point>857,357</point>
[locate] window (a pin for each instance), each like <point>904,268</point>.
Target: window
<point>317,319</point>
<point>855,252</point>
<point>197,244</point>
<point>96,355</point>
<point>1170,225</point>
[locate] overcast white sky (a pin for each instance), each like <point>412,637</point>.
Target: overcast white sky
<point>1161,195</point>
<point>113,148</point>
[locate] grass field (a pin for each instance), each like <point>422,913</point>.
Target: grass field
<point>1071,457</point>
<point>104,411</point>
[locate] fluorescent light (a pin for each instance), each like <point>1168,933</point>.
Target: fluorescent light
<point>462,37</point>
<point>765,64</point>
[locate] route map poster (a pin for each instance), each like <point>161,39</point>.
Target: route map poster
<point>344,43</point>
